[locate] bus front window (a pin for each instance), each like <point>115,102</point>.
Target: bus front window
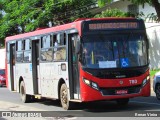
<point>114,51</point>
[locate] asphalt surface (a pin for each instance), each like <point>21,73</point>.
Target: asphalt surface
<point>10,101</point>
<point>140,103</point>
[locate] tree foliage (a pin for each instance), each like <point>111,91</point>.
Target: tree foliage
<point>21,16</point>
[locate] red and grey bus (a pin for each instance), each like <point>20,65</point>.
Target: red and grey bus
<point>86,60</point>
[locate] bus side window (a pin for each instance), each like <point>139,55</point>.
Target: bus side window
<point>59,47</point>
<point>46,48</point>
<point>62,39</point>
<point>19,52</point>
<point>19,45</point>
<point>58,39</point>
<point>27,45</point>
<point>55,41</point>
<point>27,50</point>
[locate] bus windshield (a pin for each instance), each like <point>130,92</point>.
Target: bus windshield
<point>114,51</point>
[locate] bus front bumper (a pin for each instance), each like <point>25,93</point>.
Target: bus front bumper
<point>110,94</point>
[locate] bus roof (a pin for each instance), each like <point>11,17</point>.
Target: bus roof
<point>76,24</point>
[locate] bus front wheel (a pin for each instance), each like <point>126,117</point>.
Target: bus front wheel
<point>66,104</point>
<point>24,97</point>
<point>123,101</point>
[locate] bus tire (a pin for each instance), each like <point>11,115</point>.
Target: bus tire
<point>24,97</point>
<point>66,104</point>
<point>123,101</point>
<point>157,91</point>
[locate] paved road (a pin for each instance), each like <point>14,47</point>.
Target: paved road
<point>11,101</point>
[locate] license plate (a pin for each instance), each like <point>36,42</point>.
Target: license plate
<point>119,92</point>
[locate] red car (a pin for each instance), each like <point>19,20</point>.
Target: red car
<point>2,77</point>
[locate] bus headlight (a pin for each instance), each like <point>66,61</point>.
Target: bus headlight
<point>90,83</point>
<point>94,85</point>
<point>145,81</point>
<point>87,81</point>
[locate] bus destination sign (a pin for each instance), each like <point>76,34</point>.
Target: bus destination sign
<point>121,25</point>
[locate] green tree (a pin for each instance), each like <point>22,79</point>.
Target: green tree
<point>26,15</point>
<point>154,3</point>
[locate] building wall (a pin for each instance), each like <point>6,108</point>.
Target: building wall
<point>153,32</point>
<point>123,5</point>
<point>2,58</point>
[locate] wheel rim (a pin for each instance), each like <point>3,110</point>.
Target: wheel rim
<point>158,91</point>
<point>22,91</point>
<point>64,96</point>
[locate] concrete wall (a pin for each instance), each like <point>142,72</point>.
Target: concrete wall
<point>123,5</point>
<point>2,58</point>
<point>153,32</point>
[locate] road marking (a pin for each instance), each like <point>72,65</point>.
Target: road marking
<point>146,103</point>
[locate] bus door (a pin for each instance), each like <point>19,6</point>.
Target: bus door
<point>73,67</point>
<point>35,66</point>
<point>12,67</point>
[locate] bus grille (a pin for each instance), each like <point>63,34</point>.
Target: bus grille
<point>112,91</point>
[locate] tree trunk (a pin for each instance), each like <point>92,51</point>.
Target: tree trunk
<point>156,4</point>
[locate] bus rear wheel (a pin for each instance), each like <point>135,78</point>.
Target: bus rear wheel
<point>66,104</point>
<point>123,101</point>
<point>24,97</point>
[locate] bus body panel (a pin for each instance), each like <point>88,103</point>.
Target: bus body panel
<point>74,25</point>
<point>107,84</point>
<point>8,82</point>
<point>24,71</point>
<point>10,85</point>
<point>94,95</point>
<point>51,74</point>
